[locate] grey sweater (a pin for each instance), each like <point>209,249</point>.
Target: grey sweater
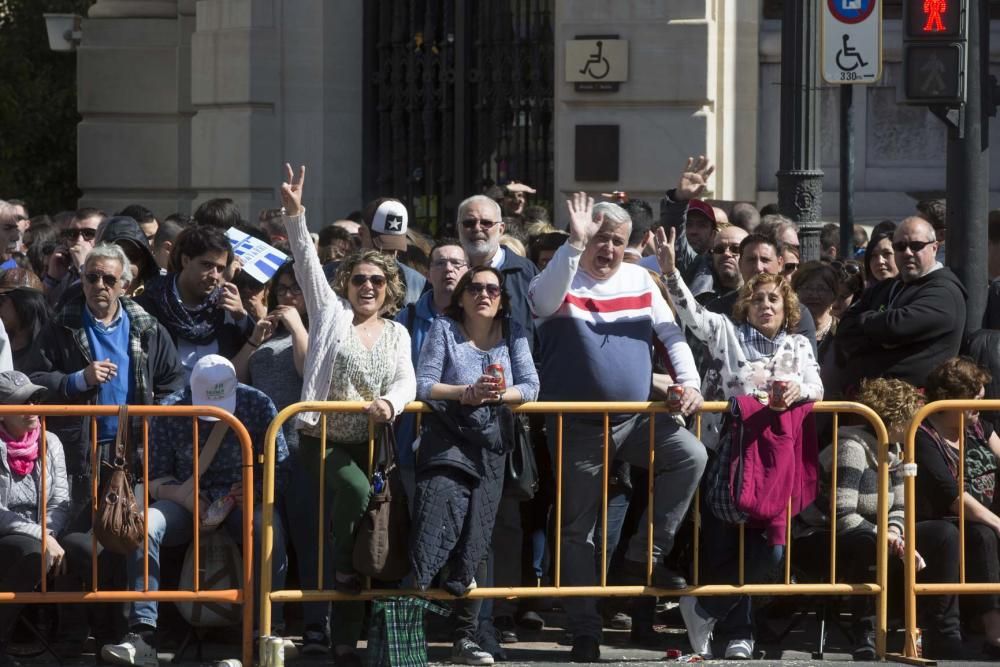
<point>272,370</point>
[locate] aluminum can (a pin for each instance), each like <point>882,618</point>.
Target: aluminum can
<point>496,371</point>
<point>276,652</point>
<point>675,393</point>
<point>776,399</point>
<point>673,653</point>
<point>918,641</point>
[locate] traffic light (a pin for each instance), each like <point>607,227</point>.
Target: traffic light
<point>934,51</point>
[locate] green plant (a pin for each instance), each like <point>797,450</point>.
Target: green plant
<point>38,115</point>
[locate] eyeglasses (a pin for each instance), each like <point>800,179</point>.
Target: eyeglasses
<point>470,223</point>
<point>109,280</point>
<point>732,248</point>
<point>914,246</point>
<point>443,263</point>
<point>72,234</point>
<point>359,279</point>
<point>850,268</point>
<point>292,290</point>
<point>492,291</point>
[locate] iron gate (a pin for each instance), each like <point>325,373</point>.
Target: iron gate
<point>459,98</point>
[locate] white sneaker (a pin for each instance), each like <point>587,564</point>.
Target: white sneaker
<point>699,625</point>
<point>468,652</point>
<point>133,650</point>
<point>739,649</point>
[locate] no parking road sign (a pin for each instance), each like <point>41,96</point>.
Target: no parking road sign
<point>851,44</point>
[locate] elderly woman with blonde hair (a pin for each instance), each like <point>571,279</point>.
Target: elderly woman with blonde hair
<point>856,518</point>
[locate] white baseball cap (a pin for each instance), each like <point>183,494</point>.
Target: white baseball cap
<point>388,226</point>
<point>213,382</point>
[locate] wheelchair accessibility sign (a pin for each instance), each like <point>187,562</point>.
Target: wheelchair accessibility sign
<point>597,63</point>
<point>851,43</point>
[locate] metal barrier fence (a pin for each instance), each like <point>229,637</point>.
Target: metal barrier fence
<point>242,596</point>
<point>911,587</point>
<point>787,587</point>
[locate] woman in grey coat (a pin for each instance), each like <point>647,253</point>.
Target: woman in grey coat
<point>21,533</point>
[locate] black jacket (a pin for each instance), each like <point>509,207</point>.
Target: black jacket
<point>63,349</point>
<point>901,330</point>
<point>461,437</point>
<point>517,275</point>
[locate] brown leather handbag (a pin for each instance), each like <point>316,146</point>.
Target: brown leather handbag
<point>382,540</point>
<point>119,523</point>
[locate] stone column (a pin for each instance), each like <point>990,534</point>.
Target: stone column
<point>800,179</point>
<point>132,95</point>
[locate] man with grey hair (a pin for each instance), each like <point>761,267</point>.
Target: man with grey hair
<point>596,319</point>
<point>11,217</point>
<point>480,226</point>
<point>102,348</point>
<point>905,326</point>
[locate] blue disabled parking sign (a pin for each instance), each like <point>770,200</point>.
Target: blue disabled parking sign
<point>851,11</point>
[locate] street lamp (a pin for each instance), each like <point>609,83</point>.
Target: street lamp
<point>64,31</point>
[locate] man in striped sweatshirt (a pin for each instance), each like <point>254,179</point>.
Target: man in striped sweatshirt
<point>595,321</point>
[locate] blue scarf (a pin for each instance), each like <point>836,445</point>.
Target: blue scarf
<point>757,346</point>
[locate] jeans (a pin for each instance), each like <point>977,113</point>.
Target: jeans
<point>721,551</point>
<point>680,462</point>
<point>171,524</point>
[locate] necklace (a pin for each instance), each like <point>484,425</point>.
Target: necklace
<point>369,331</point>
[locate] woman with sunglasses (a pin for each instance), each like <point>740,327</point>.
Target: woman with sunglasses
<point>355,352</point>
<point>474,361</point>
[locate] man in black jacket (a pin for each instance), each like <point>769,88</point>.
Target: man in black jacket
<point>903,327</point>
<point>102,348</point>
<point>201,311</point>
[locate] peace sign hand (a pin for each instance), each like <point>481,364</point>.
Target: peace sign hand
<point>582,225</point>
<point>666,254</point>
<point>291,190</point>
<point>694,178</point>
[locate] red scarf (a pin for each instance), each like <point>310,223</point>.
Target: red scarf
<point>21,452</point>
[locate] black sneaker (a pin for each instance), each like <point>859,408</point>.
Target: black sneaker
<point>315,641</point>
<point>864,638</point>
<point>531,620</point>
<point>506,629</point>
<point>585,649</point>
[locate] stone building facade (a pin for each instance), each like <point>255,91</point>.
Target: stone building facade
<point>184,100</point>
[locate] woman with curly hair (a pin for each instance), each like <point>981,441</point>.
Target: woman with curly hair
<point>895,402</point>
<point>356,352</point>
<point>938,495</point>
<point>747,353</point>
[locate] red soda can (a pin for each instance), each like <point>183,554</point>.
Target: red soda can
<point>496,371</point>
<point>675,393</point>
<point>673,653</point>
<point>777,399</point>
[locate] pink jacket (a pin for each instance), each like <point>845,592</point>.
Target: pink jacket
<point>778,459</point>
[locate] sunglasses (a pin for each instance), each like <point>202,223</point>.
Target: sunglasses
<point>850,268</point>
<point>109,280</point>
<point>470,223</point>
<point>359,279</point>
<point>72,234</point>
<point>492,291</point>
<point>914,246</point>
<point>722,248</point>
<point>791,267</point>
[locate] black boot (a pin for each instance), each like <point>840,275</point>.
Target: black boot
<point>864,640</point>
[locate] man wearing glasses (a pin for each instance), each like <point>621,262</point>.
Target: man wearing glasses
<point>75,242</point>
<point>11,220</point>
<point>905,326</point>
<point>102,348</point>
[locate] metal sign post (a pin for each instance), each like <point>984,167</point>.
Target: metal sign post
<point>852,53</point>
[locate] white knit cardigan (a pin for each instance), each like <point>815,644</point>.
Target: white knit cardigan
<point>330,321</point>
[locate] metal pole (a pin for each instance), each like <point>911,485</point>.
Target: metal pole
<point>968,173</point>
<point>846,172</point>
<point>800,179</point>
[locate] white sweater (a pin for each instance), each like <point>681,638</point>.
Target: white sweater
<point>330,321</point>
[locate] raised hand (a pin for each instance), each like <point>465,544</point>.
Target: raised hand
<point>582,225</point>
<point>666,253</point>
<point>694,178</point>
<point>230,300</point>
<point>291,190</point>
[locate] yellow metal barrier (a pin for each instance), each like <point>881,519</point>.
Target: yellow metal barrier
<point>876,588</point>
<point>911,587</point>
<point>242,596</point>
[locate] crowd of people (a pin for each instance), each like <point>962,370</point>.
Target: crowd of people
<point>704,302</point>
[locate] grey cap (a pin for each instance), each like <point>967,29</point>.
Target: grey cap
<point>17,389</point>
